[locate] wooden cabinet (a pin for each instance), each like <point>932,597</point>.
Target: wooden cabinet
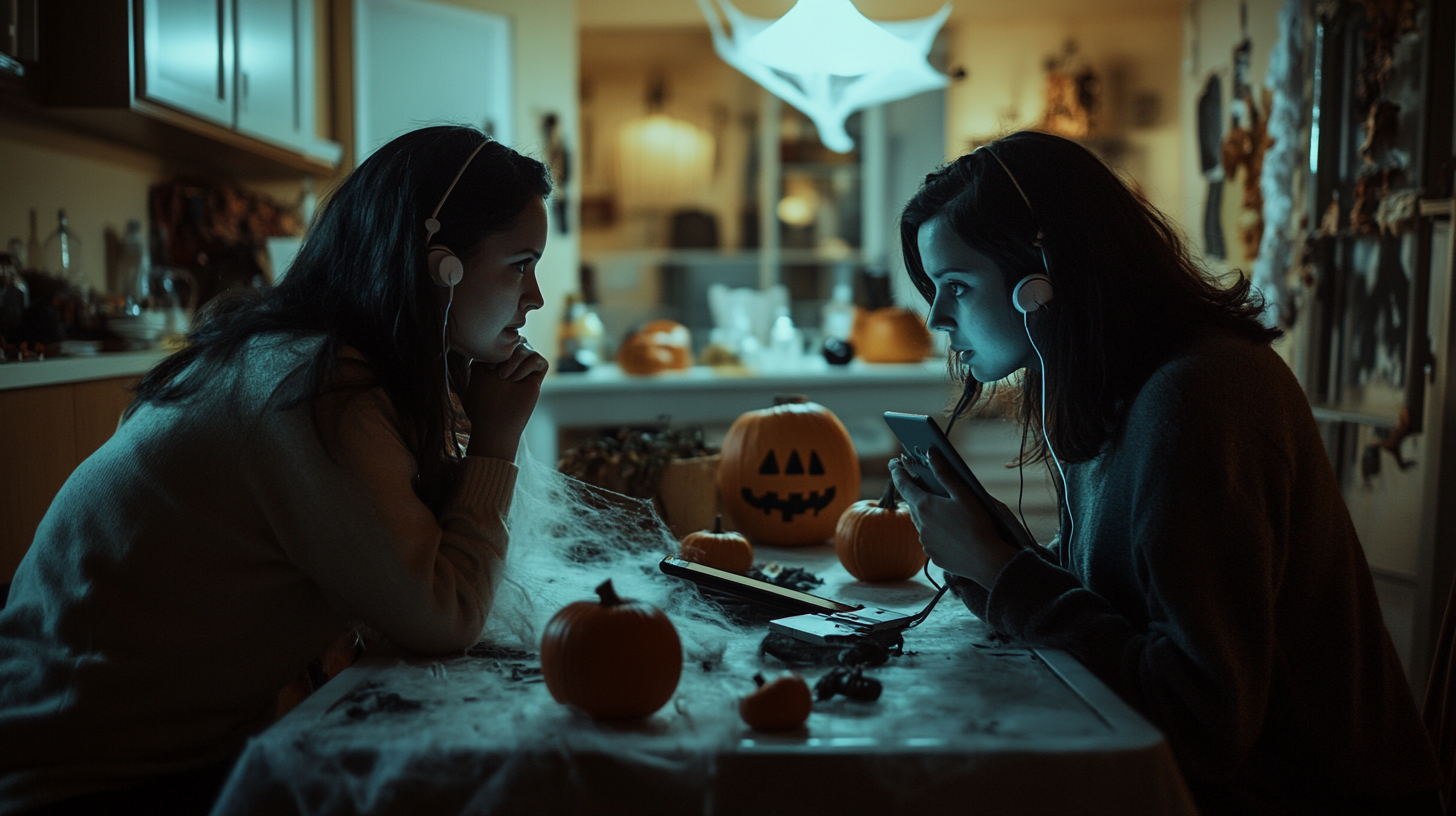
<point>45,432</point>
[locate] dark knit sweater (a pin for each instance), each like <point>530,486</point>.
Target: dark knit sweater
<point>1215,581</point>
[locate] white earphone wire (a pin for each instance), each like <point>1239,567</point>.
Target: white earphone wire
<point>1066,488</point>
<point>445,356</point>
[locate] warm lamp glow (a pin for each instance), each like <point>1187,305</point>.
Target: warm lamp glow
<point>663,162</point>
<point>827,59</point>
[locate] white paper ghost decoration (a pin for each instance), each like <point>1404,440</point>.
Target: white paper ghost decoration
<point>828,60</point>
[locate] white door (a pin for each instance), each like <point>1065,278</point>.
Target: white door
<point>275,70</point>
<point>419,63</point>
<point>187,56</point>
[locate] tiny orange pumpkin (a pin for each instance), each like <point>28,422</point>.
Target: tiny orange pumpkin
<point>660,345</point>
<point>781,705</point>
<point>890,335</point>
<point>718,548</point>
<point>613,659</point>
<point>877,540</point>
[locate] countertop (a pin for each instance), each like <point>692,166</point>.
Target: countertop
<point>61,370</point>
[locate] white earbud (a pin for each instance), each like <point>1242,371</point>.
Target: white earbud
<point>1031,293</point>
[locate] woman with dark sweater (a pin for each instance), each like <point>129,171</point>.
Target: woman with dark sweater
<point>291,474</point>
<point>1207,569</point>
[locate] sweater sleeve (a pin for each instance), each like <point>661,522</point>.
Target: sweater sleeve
<point>1203,489</point>
<point>349,518</point>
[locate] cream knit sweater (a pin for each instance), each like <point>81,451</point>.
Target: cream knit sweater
<point>204,555</point>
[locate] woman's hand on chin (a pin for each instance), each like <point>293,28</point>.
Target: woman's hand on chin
<point>499,401</point>
<point>957,533</point>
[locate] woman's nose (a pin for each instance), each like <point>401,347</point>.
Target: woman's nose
<point>532,298</point>
<point>939,318</point>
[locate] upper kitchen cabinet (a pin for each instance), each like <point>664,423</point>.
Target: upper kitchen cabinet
<point>275,70</point>
<point>188,56</point>
<point>221,83</point>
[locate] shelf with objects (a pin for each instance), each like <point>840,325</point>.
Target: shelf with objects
<point>710,202</point>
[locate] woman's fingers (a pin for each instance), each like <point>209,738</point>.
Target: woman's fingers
<point>523,362</point>
<point>950,480</point>
<point>910,491</point>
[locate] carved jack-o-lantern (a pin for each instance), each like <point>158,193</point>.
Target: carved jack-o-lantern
<point>787,473</point>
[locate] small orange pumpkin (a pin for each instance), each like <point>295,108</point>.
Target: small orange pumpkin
<point>660,345</point>
<point>615,659</point>
<point>877,540</point>
<point>787,473</point>
<point>718,548</point>
<point>781,705</point>
<point>890,335</point>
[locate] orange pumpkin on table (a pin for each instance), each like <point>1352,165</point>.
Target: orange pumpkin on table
<point>877,540</point>
<point>781,705</point>
<point>718,548</point>
<point>661,345</point>
<point>787,473</point>
<point>615,659</point>
<point>890,335</point>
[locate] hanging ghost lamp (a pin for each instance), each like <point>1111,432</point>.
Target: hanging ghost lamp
<point>828,60</point>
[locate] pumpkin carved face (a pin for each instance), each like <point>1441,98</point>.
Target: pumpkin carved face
<point>787,473</point>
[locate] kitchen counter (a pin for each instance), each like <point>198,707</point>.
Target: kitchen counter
<point>858,394</point>
<point>59,370</point>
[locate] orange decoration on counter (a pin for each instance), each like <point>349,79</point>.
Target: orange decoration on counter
<point>890,335</point>
<point>660,345</point>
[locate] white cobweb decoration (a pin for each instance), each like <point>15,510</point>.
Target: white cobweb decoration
<point>567,537</point>
<point>828,99</point>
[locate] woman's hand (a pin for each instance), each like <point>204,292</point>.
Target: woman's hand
<point>499,400</point>
<point>957,533</point>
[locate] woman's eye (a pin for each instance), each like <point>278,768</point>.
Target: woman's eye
<point>956,289</point>
<point>523,266</point>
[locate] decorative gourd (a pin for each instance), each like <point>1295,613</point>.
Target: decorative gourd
<point>781,705</point>
<point>787,473</point>
<point>718,548</point>
<point>660,345</point>
<point>890,335</point>
<point>877,540</point>
<point>615,659</point>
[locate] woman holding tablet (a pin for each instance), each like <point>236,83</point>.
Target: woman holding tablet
<point>1207,568</point>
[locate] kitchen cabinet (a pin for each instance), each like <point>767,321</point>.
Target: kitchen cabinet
<point>187,56</point>
<point>274,86</point>
<point>45,432</point>
<point>226,83</point>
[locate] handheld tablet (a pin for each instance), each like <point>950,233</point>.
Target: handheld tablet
<point>788,601</point>
<point>918,434</point>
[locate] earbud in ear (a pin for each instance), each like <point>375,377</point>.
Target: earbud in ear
<point>445,268</point>
<point>1031,293</point>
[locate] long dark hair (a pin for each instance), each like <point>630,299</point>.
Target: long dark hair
<point>360,280</point>
<point>1128,294</point>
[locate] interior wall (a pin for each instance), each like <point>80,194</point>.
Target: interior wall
<point>98,183</point>
<point>1136,58</point>
<point>618,65</point>
<point>1212,30</point>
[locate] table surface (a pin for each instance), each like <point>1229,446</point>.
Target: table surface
<point>964,723</point>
